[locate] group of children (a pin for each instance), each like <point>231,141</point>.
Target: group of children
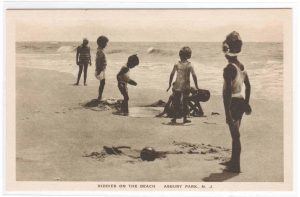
<point>181,86</point>
<point>234,77</point>
<point>83,58</point>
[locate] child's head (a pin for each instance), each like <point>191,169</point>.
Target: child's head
<point>133,61</point>
<point>85,42</point>
<point>185,53</point>
<point>102,41</point>
<point>232,45</point>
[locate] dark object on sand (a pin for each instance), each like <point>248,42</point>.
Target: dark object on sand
<point>92,103</point>
<point>159,103</point>
<point>103,105</point>
<point>148,154</point>
<point>200,95</point>
<point>215,113</point>
<point>114,150</point>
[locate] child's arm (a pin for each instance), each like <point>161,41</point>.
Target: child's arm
<point>97,62</point>
<point>77,56</point>
<point>194,77</point>
<point>171,77</point>
<point>100,62</point>
<point>90,56</point>
<point>228,75</point>
<point>247,94</point>
<point>131,82</point>
<point>123,71</point>
<point>247,89</point>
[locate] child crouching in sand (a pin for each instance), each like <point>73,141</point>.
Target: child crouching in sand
<point>182,84</point>
<point>193,102</point>
<point>123,78</point>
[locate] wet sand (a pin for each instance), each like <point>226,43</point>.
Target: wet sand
<point>55,132</point>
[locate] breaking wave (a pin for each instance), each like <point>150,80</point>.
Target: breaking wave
<point>65,49</point>
<point>156,51</point>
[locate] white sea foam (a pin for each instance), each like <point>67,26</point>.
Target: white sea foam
<point>157,60</point>
<point>66,49</point>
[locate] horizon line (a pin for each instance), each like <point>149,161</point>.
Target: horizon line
<point>141,41</point>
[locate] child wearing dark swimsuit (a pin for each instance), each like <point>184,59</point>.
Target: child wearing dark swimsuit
<point>124,78</point>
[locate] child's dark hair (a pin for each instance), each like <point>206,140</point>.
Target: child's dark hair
<point>233,43</point>
<point>185,52</point>
<point>85,41</point>
<point>102,40</point>
<point>133,60</point>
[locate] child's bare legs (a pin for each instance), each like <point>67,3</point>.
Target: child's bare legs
<point>234,163</point>
<point>85,72</point>
<point>79,74</point>
<point>101,88</point>
<point>176,103</point>
<point>124,92</point>
<point>185,106</point>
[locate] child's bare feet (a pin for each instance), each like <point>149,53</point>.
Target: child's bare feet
<point>185,120</point>
<point>226,163</point>
<point>232,169</point>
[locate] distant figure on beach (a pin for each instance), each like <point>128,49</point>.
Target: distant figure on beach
<point>123,78</point>
<point>235,104</point>
<point>83,58</point>
<point>182,84</point>
<point>101,64</point>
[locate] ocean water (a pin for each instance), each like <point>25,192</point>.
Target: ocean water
<point>263,62</point>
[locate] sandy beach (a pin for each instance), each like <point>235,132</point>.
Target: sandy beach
<point>55,133</point>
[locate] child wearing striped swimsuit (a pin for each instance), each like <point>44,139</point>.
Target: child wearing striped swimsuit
<point>83,58</point>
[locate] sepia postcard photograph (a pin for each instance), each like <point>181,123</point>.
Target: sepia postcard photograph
<point>149,100</point>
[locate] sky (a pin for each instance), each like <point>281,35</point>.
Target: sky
<point>209,25</point>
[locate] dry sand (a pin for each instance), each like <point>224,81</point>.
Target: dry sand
<point>54,132</point>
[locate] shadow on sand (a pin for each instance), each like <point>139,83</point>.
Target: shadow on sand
<point>220,177</point>
<point>91,103</point>
<point>176,124</point>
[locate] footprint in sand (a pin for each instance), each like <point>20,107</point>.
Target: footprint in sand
<point>58,112</point>
<point>177,124</point>
<point>209,122</point>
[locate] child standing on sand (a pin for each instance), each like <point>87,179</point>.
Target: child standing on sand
<point>182,84</point>
<point>123,78</point>
<point>101,64</point>
<point>235,105</point>
<point>83,58</point>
